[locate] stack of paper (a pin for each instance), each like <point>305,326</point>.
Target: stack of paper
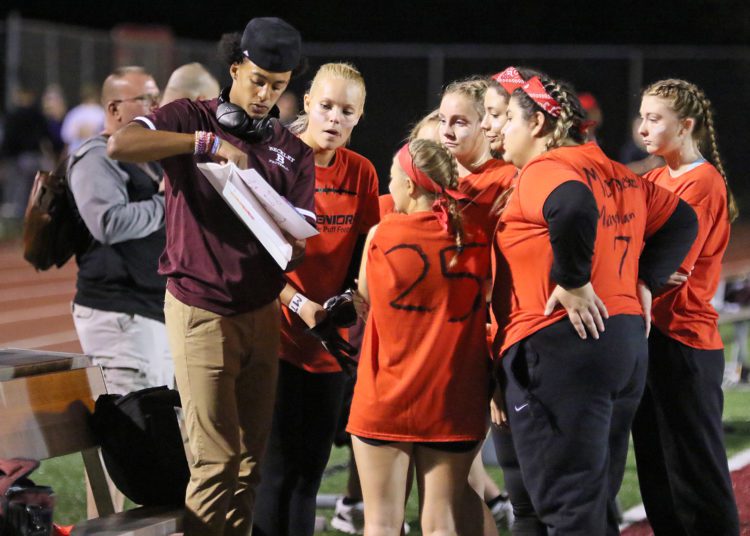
<point>260,207</point>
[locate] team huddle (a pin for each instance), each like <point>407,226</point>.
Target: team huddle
<point>515,280</point>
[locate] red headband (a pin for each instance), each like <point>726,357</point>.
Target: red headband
<point>535,89</point>
<point>417,176</point>
<point>420,178</point>
<point>510,79</point>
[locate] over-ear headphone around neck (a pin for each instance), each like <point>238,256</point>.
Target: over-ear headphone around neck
<point>235,120</point>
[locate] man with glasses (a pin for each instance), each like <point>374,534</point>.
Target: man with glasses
<point>118,308</point>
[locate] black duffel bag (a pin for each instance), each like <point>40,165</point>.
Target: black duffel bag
<point>142,445</point>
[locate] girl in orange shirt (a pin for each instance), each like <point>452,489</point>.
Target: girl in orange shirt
<point>422,380</point>
<point>311,384</point>
<point>677,433</point>
<point>465,121</point>
<point>481,176</point>
<point>520,512</point>
<point>576,222</point>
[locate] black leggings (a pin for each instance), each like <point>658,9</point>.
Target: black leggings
<point>304,423</point>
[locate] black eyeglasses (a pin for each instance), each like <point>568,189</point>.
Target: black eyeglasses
<point>147,98</point>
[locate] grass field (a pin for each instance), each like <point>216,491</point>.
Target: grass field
<point>65,474</point>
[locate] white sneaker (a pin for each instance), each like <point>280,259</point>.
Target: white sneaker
<point>349,518</point>
<point>502,511</point>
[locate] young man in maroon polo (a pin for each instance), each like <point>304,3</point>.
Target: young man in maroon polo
<point>222,308</point>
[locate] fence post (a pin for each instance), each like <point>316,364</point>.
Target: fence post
<point>12,56</point>
<point>51,57</point>
<point>435,75</point>
<point>635,82</point>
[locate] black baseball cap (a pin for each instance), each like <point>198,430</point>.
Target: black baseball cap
<point>272,44</point>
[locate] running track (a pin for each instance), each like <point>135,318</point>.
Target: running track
<point>35,306</point>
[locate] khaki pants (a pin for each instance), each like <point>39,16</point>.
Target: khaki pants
<point>226,368</point>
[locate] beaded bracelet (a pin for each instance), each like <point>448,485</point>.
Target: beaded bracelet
<point>206,142</point>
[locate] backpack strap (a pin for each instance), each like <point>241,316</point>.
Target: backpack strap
<point>86,146</point>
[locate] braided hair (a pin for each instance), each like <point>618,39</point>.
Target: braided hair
<point>688,100</point>
<point>472,88</point>
<point>440,165</point>
<point>565,128</point>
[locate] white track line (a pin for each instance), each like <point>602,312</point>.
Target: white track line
<point>44,290</point>
<point>638,513</point>
<point>24,277</point>
<point>42,341</point>
<point>739,460</point>
<point>34,313</point>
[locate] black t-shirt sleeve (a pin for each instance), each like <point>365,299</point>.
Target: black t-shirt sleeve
<point>667,247</point>
<point>571,213</point>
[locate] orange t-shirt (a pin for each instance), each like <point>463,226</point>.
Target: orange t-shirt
<point>346,205</point>
<point>424,367</point>
<point>630,209</point>
<point>385,203</point>
<point>685,313</point>
<point>484,186</point>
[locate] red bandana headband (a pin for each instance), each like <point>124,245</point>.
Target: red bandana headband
<point>420,178</point>
<point>535,89</point>
<point>510,79</point>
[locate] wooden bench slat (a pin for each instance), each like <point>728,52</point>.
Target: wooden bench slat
<point>144,521</point>
<point>17,362</point>
<point>45,416</point>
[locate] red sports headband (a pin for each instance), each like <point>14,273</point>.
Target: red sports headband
<point>420,178</point>
<point>417,176</point>
<point>510,79</point>
<point>535,89</point>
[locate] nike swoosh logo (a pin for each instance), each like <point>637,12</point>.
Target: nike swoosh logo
<point>519,408</point>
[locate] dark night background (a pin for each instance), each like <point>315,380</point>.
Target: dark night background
<point>523,21</point>
<point>397,87</point>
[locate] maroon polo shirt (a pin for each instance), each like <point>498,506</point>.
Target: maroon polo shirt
<point>211,259</point>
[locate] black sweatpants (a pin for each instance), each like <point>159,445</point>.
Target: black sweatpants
<point>304,423</point>
<point>679,442</point>
<point>570,404</point>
